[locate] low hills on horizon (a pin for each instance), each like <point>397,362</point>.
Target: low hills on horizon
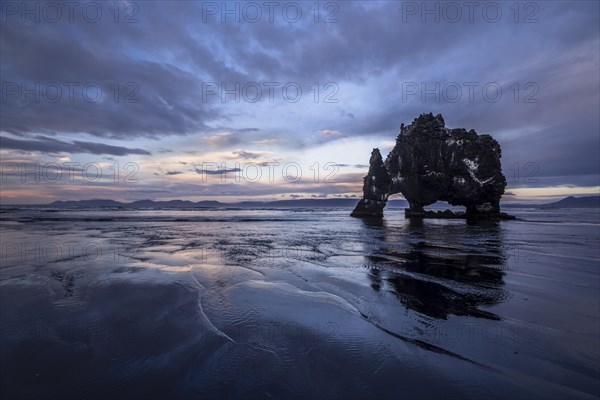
<point>575,202</point>
<point>340,202</point>
<point>568,202</point>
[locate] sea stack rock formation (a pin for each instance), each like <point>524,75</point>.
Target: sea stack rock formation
<point>432,163</point>
<point>375,188</point>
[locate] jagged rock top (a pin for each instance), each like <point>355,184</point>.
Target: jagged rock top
<point>431,162</point>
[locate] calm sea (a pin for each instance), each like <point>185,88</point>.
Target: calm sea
<point>297,303</point>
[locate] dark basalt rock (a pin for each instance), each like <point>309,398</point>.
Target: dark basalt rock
<point>433,163</point>
<point>375,188</point>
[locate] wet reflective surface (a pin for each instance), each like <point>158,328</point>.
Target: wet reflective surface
<point>298,303</point>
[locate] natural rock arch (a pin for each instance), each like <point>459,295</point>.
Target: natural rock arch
<point>432,163</point>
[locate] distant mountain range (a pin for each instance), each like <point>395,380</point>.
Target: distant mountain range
<point>575,202</point>
<point>568,202</point>
<point>216,204</point>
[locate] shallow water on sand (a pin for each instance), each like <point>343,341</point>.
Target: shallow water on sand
<point>298,303</point>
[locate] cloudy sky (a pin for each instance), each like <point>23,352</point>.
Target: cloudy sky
<point>237,101</point>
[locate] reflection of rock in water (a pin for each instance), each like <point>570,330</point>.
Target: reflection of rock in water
<point>453,269</point>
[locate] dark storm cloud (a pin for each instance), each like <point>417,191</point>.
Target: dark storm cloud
<point>216,171</point>
<point>355,165</point>
<point>49,145</point>
<point>556,155</point>
<point>246,154</point>
<point>58,80</point>
<point>170,52</point>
